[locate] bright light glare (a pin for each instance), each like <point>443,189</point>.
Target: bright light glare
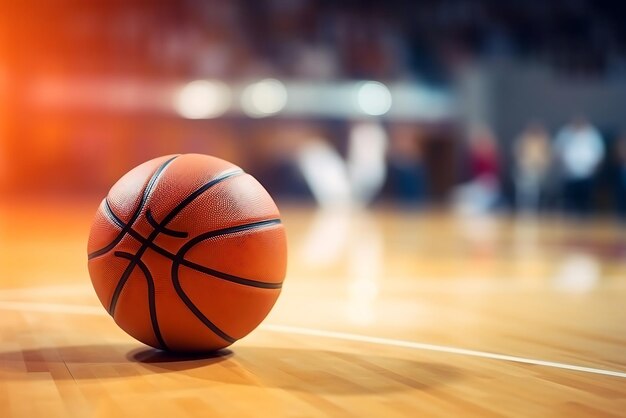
<point>264,98</point>
<point>579,273</point>
<point>203,99</point>
<point>374,98</point>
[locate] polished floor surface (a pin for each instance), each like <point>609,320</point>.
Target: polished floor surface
<point>383,313</point>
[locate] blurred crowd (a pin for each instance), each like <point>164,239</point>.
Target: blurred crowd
<point>311,39</point>
<point>546,172</point>
<point>574,170</point>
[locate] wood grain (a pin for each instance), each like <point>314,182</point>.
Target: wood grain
<point>547,289</point>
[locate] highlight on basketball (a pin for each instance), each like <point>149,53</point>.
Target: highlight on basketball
<point>311,208</point>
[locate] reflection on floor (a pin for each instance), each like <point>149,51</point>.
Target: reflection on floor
<point>545,289</point>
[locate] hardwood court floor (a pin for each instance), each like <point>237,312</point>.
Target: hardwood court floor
<point>383,314</point>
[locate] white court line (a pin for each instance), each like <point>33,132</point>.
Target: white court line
<point>286,329</point>
<point>432,347</point>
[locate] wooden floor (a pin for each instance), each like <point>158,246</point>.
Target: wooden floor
<point>383,314</point>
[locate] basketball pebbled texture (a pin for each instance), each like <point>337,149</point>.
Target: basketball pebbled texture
<point>187,253</point>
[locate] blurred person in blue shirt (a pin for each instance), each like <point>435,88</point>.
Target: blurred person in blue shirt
<point>407,176</point>
<point>579,149</point>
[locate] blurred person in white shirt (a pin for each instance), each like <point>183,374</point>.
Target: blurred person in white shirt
<point>580,149</point>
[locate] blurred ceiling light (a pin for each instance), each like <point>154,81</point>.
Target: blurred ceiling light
<point>373,98</point>
<point>264,98</point>
<point>203,99</point>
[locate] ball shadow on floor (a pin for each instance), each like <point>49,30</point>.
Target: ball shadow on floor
<point>303,370</point>
<point>294,369</point>
<point>94,361</point>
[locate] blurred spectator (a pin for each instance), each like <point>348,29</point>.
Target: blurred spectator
<point>579,149</point>
<point>482,193</point>
<point>620,182</point>
<point>484,159</point>
<point>366,163</point>
<point>407,179</point>
<point>532,156</point>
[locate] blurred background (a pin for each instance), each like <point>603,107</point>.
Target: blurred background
<point>475,106</point>
<point>452,172</point>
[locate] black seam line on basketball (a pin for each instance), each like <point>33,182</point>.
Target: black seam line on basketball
<point>225,276</point>
<point>151,297</point>
<point>175,211</point>
<point>131,266</point>
<point>180,255</point>
<point>128,226</point>
<point>142,202</point>
<point>113,216</point>
<point>216,273</point>
<point>194,309</point>
<point>129,269</point>
<point>182,205</point>
<point>166,231</point>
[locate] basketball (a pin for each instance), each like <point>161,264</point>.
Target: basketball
<point>187,253</point>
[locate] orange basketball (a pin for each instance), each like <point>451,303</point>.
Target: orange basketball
<point>187,253</point>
